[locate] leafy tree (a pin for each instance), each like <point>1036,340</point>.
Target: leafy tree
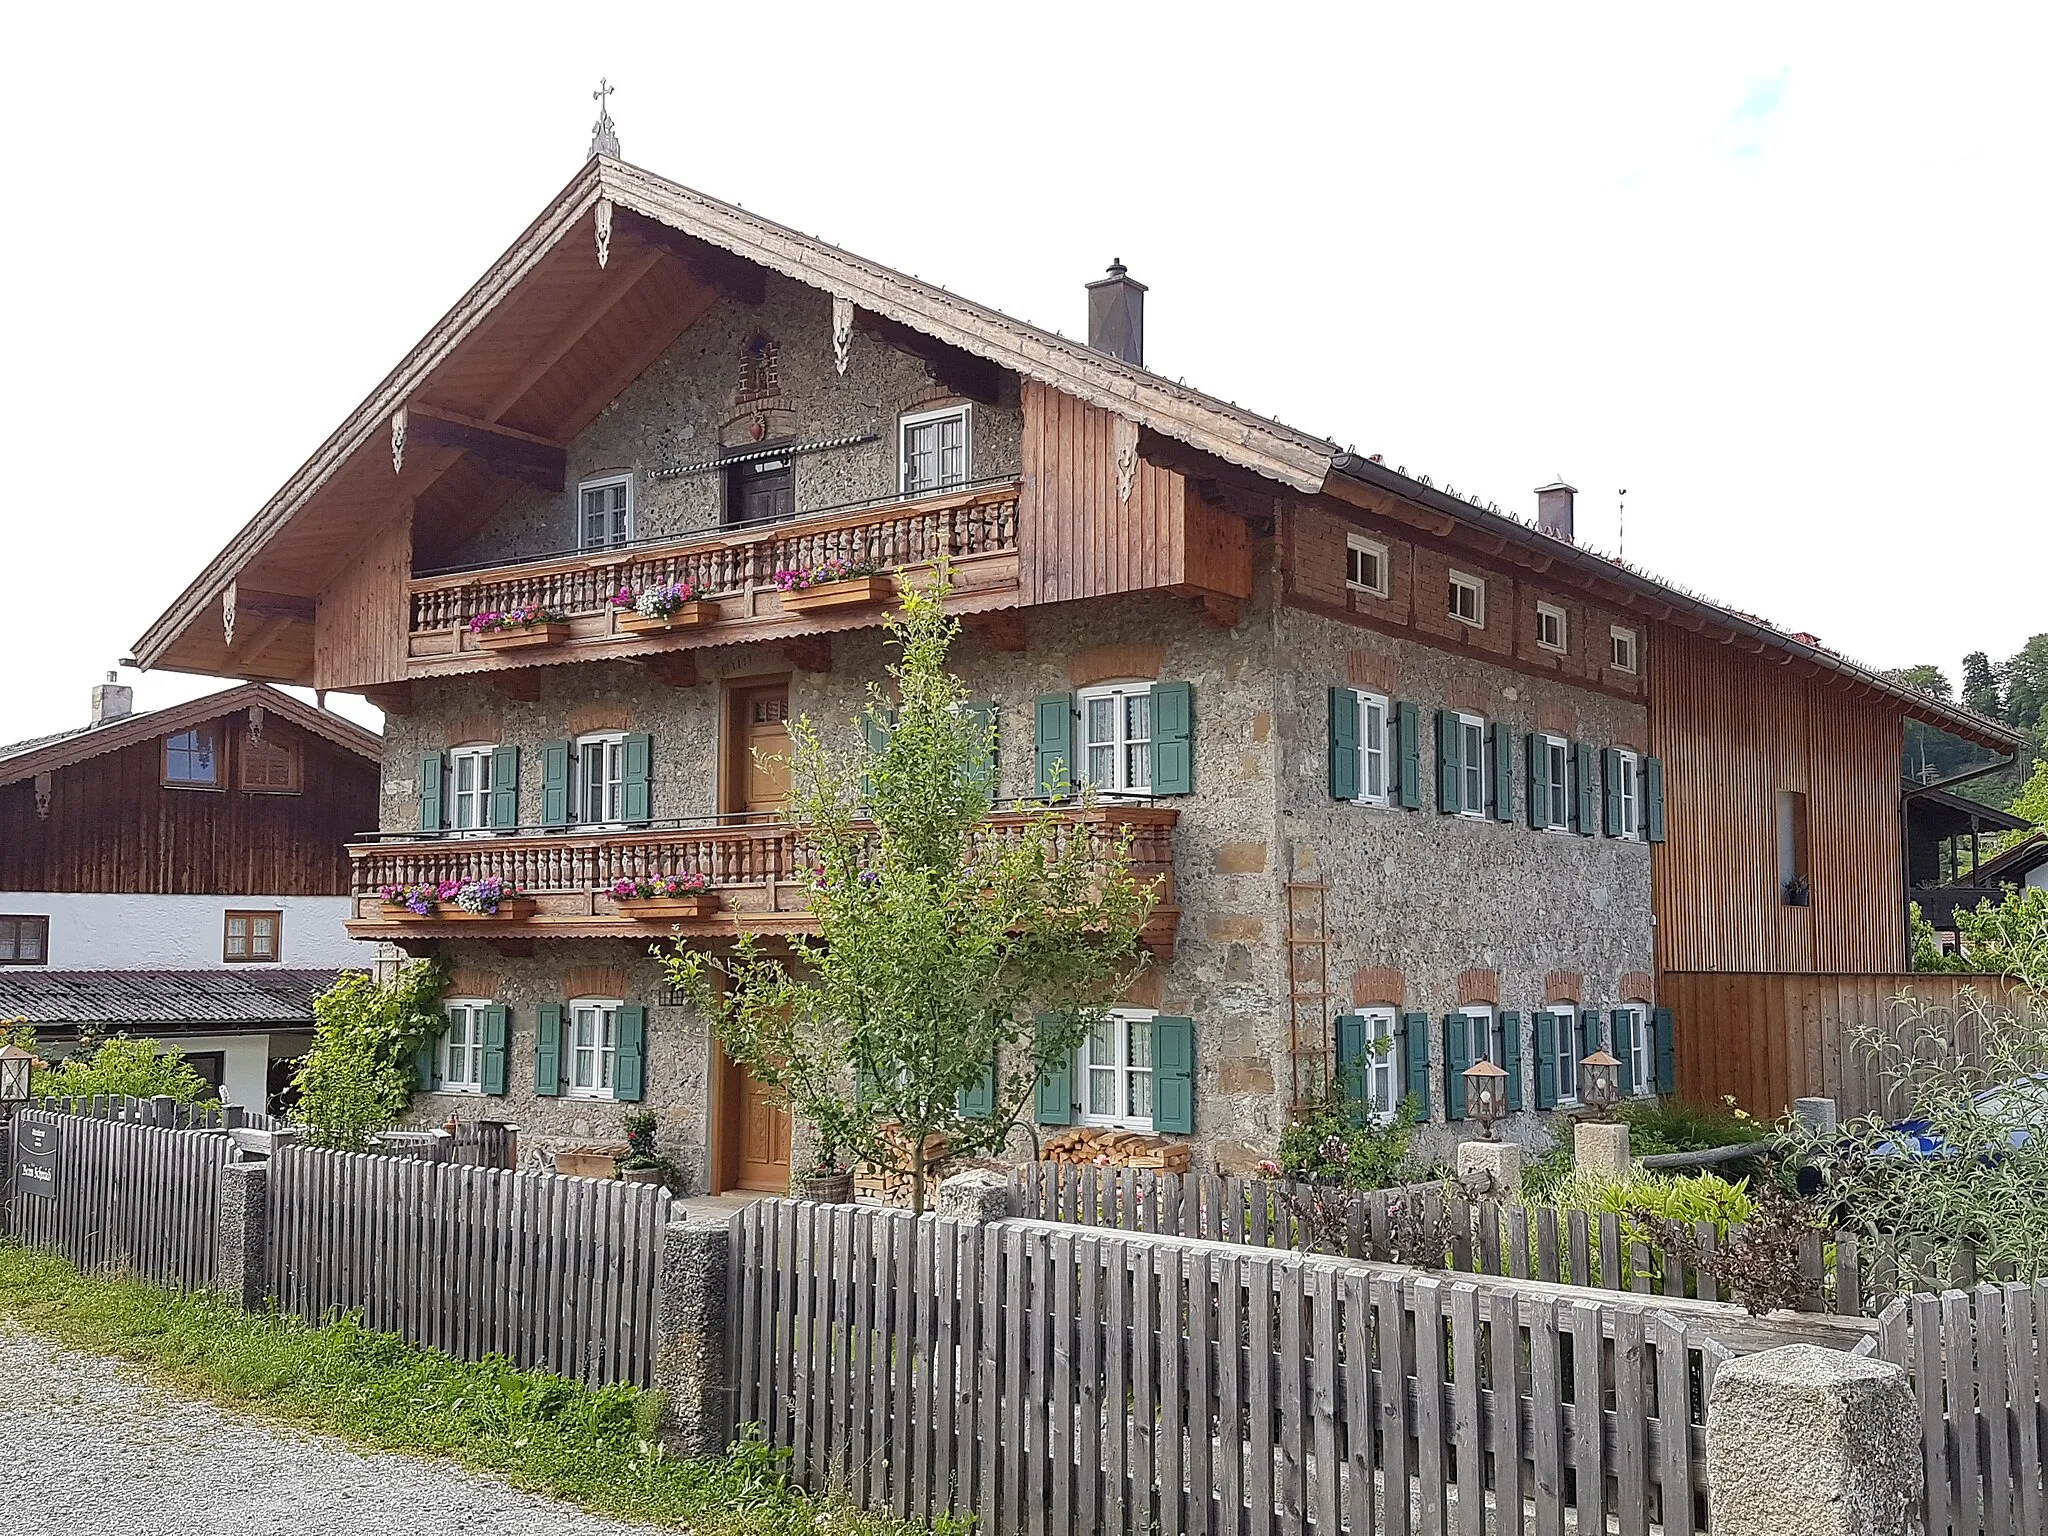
<point>1928,954</point>
<point>360,1075</point>
<point>2032,800</point>
<point>1980,686</point>
<point>2024,684</point>
<point>1929,679</point>
<point>909,1015</point>
<point>2007,938</point>
<point>136,1069</point>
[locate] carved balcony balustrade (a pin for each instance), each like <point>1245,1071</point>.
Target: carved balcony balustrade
<point>757,872</point>
<point>973,529</point>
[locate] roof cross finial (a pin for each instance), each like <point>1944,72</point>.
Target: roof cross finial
<point>604,133</point>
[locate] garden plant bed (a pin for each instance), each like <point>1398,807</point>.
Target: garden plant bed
<point>527,637</point>
<point>692,615</point>
<point>857,592</point>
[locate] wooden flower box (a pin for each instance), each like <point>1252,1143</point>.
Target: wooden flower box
<point>860,592</point>
<point>663,909</point>
<point>527,637</point>
<point>513,909</point>
<point>694,615</point>
<point>589,1162</point>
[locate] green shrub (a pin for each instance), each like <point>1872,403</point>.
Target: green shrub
<point>1325,1142</point>
<point>361,1073</point>
<point>136,1069</point>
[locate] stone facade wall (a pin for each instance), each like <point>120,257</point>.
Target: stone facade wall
<point>690,406</point>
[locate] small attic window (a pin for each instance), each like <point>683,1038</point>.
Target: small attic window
<point>760,369</point>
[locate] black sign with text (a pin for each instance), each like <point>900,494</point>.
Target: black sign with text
<point>35,1159</point>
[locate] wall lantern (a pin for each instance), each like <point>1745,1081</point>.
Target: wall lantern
<point>1600,1083</point>
<point>15,1066</point>
<point>1486,1095</point>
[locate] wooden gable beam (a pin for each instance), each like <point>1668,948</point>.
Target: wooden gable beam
<point>962,372</point>
<point>522,456</point>
<point>734,276</point>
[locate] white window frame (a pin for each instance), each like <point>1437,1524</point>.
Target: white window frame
<point>1563,642</point>
<point>602,1053</point>
<point>1485,1039</point>
<point>478,795</point>
<point>1642,1048</point>
<point>1557,752</point>
<point>1359,544</point>
<point>1123,781</point>
<point>464,1035</point>
<point>1123,1070</point>
<point>1570,1045</point>
<point>1476,585</point>
<point>604,483</point>
<point>1474,768</point>
<point>1621,642</point>
<point>904,424</point>
<point>1382,1072</point>
<point>1631,766</point>
<point>614,744</point>
<point>1375,749</point>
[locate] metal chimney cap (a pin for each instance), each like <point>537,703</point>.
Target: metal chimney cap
<point>1557,485</point>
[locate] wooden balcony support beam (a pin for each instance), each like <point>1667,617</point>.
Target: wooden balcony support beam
<point>391,698</point>
<point>962,372</point>
<point>536,461</point>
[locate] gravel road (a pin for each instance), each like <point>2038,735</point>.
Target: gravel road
<point>88,1446</point>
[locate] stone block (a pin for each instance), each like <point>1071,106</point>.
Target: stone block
<point>1229,928</point>
<point>978,1195</point>
<point>1499,1161</point>
<point>1245,1074</point>
<point>690,1365</point>
<point>1600,1148</point>
<point>1817,1115</point>
<point>1806,1441</point>
<point>242,1237</point>
<point>1241,859</point>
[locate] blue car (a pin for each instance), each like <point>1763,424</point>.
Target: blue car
<point>2017,1108</point>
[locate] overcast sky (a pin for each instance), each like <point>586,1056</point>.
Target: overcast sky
<point>1777,271</point>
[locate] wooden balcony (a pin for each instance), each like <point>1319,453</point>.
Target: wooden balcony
<point>974,530</point>
<point>757,871</point>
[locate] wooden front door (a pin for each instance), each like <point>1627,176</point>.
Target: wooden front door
<point>756,1151</point>
<point>758,774</point>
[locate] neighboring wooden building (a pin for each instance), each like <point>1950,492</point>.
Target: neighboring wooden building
<point>183,873</point>
<point>1409,768</point>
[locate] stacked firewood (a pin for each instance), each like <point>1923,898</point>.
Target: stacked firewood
<point>891,1188</point>
<point>1118,1149</point>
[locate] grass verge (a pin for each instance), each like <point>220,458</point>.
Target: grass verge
<point>539,1432</point>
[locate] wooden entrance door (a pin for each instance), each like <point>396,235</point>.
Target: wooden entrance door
<point>757,774</point>
<point>756,1150</point>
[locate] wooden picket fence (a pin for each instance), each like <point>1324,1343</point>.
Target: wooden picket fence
<point>1057,1379</point>
<point>165,1112</point>
<point>136,1197</point>
<point>556,1274</point>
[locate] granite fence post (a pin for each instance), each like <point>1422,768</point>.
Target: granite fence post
<point>978,1195</point>
<point>1813,1441</point>
<point>242,1242</point>
<point>1600,1148</point>
<point>1816,1115</point>
<point>691,1364</point>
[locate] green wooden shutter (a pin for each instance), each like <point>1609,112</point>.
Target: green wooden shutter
<point>1449,770</point>
<point>978,1101</point>
<point>554,784</point>
<point>1622,1048</point>
<point>1343,744</point>
<point>1173,744</point>
<point>1408,727</point>
<point>1511,1035</point>
<point>874,731</point>
<point>1053,747</point>
<point>636,798</point>
<point>505,788</point>
<point>497,1034</point>
<point>1667,1052</point>
<point>629,1067</point>
<point>1056,1091</point>
<point>1653,797</point>
<point>432,816</point>
<point>1173,1075</point>
<point>1457,1057</point>
<point>1582,754</point>
<point>426,1064</point>
<point>1546,1060</point>
<point>547,1050</point>
<point>1354,1074</point>
<point>1595,1031</point>
<point>981,768</point>
<point>1415,1026</point>
<point>1539,781</point>
<point>1503,773</point>
<point>1610,782</point>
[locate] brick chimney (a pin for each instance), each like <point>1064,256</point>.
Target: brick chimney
<point>1116,315</point>
<point>112,700</point>
<point>1554,510</point>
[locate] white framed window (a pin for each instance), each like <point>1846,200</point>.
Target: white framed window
<point>604,512</point>
<point>1382,1066</point>
<point>1623,652</point>
<point>462,1047</point>
<point>1375,751</point>
<point>1556,768</point>
<point>593,1047</point>
<point>1116,737</point>
<point>1365,565</point>
<point>1569,1041</point>
<point>597,779</point>
<point>1476,766</point>
<point>1485,1039</point>
<point>1630,768</point>
<point>1468,599</point>
<point>1115,1063</point>
<point>1553,632</point>
<point>469,797</point>
<point>1634,1036</point>
<point>937,449</point>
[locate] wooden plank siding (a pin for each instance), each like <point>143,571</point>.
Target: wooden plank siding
<point>1768,1038</point>
<point>1077,538</point>
<point>114,827</point>
<point>363,623</point>
<point>1733,730</point>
